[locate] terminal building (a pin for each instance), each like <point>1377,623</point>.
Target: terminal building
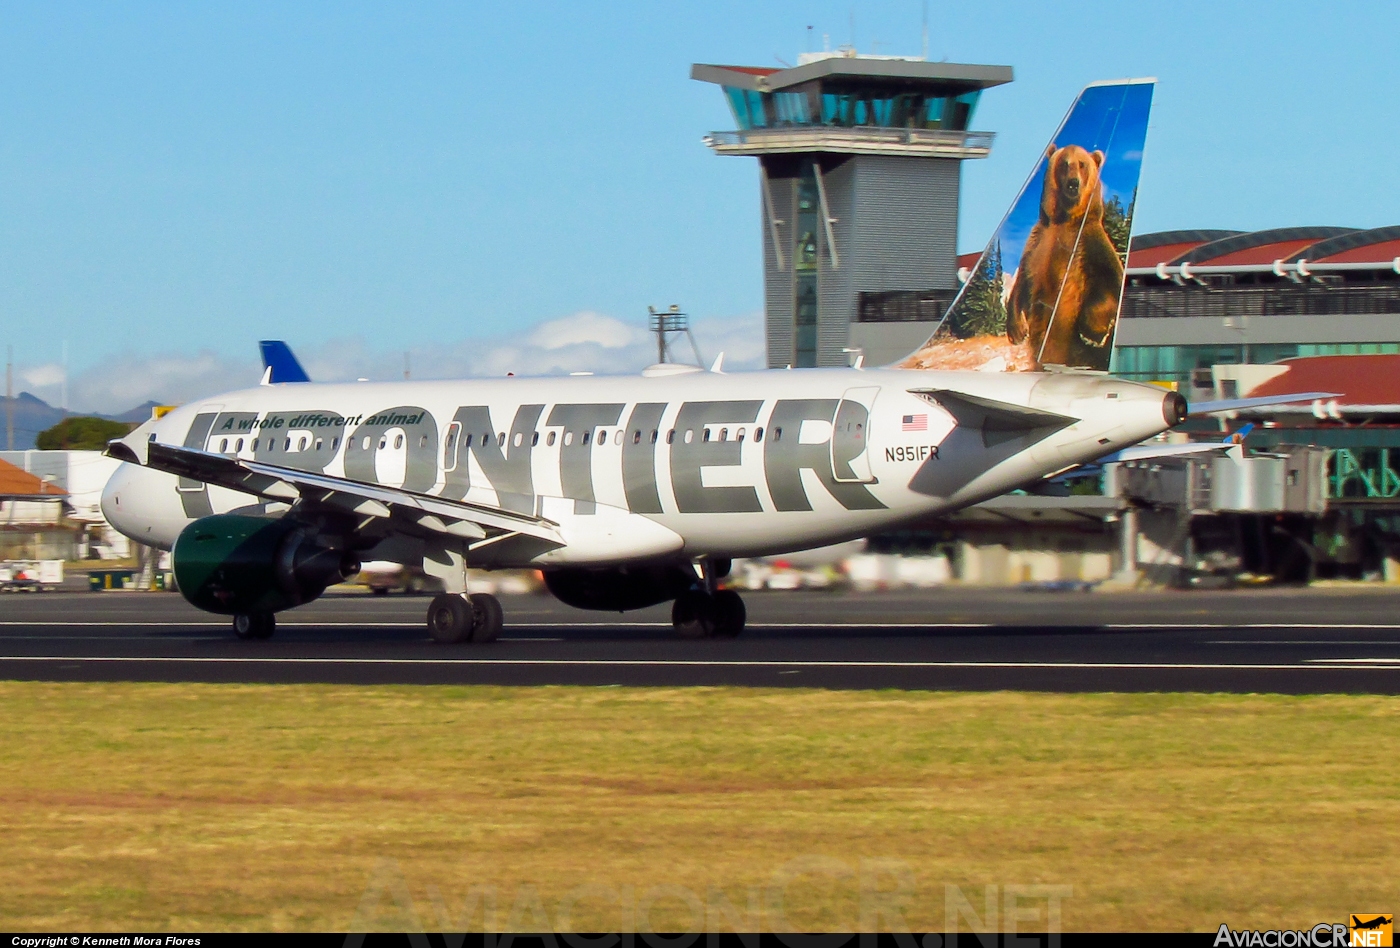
<point>1205,298</point>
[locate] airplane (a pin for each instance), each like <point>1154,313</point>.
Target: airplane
<point>629,492</point>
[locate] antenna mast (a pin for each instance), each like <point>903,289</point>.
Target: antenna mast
<point>925,30</point>
<point>9,398</point>
<point>664,325</point>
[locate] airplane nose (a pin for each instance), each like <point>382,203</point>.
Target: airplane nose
<point>1174,409</point>
<point>112,496</point>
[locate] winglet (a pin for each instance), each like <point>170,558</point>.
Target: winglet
<point>281,365</point>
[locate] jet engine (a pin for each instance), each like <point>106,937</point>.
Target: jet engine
<point>620,588</point>
<point>234,564</point>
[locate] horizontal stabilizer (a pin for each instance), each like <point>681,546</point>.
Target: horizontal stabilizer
<point>1147,452</point>
<point>998,421</point>
<point>279,363</point>
<point>1263,401</point>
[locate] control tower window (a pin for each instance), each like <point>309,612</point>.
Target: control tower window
<point>748,107</point>
<point>791,108</point>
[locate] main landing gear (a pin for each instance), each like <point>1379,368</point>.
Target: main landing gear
<point>455,617</point>
<point>708,612</point>
<point>254,625</point>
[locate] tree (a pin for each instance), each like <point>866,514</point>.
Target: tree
<point>981,310</point>
<point>1118,223</point>
<point>81,433</point>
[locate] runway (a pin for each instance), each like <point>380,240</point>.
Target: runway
<point>1285,641</point>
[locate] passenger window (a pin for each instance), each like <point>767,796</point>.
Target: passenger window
<point>568,438</point>
<point>549,442</point>
<point>653,435</point>
<point>319,443</point>
<point>223,446</point>
<point>335,444</point>
<point>288,445</point>
<point>501,440</point>
<point>586,436</point>
<point>238,445</point>
<point>301,444</point>
<point>364,445</point>
<point>689,435</point>
<point>519,438</point>
<point>255,443</point>
<point>740,435</point>
<point>534,439</point>
<point>777,434</point>
<point>449,445</point>
<point>422,443</point>
<point>398,442</point>
<point>758,434</point>
<point>637,436</point>
<point>603,436</point>
<point>671,436</point>
<point>724,434</point>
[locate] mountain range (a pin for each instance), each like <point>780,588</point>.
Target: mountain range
<point>33,415</point>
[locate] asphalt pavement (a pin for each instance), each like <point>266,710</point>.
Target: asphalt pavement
<point>1297,641</point>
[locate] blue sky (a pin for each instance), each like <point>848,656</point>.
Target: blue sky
<point>180,180</point>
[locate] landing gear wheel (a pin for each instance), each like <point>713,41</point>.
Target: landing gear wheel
<point>730,614</point>
<point>693,615</point>
<point>487,617</point>
<point>254,625</point>
<point>450,618</point>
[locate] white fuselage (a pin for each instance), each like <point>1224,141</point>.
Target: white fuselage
<point>684,464</point>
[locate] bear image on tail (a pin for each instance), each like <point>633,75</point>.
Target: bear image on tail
<point>1068,321</point>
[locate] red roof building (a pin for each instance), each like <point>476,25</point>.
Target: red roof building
<point>18,484</point>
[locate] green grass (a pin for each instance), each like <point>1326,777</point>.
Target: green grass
<point>132,806</point>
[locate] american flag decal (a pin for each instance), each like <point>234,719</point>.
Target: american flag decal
<point>915,423</point>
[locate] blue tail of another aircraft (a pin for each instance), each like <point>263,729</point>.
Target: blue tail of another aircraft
<point>280,364</point>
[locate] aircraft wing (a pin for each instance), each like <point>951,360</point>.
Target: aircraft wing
<point>420,514</point>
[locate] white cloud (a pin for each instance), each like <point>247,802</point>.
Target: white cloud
<point>584,328</point>
<point>122,382</point>
<point>41,376</point>
<point>583,342</point>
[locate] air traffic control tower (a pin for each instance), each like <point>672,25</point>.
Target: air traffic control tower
<point>859,172</point>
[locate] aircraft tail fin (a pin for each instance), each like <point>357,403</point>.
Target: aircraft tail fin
<point>279,365</point>
<point>1047,289</point>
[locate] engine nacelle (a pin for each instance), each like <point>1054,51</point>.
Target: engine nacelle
<point>232,564</point>
<point>619,588</point>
